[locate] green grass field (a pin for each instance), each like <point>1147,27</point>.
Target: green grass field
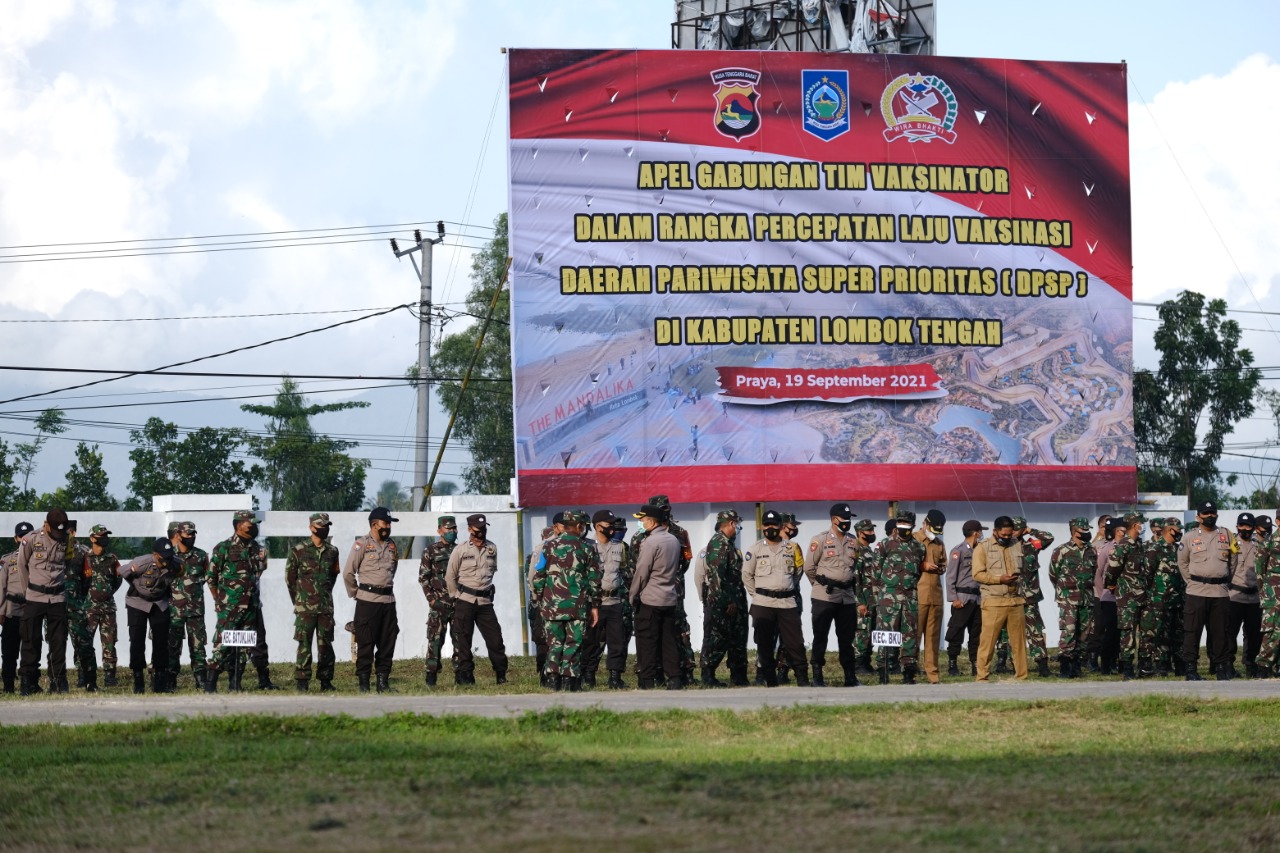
<point>1147,773</point>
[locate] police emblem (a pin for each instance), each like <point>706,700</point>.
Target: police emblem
<point>736,114</point>
<point>919,108</point>
<point>826,103</point>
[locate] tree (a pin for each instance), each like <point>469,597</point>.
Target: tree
<point>1184,410</point>
<point>86,486</point>
<point>301,469</point>
<point>199,464</point>
<point>8,485</point>
<point>49,422</point>
<point>391,495</point>
<point>483,416</point>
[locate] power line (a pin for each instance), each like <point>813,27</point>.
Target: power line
<point>196,317</point>
<point>161,371</point>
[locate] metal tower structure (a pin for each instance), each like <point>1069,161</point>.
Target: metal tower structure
<point>820,26</point>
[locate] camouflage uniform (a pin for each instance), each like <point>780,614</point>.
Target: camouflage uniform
<point>1038,541</point>
<point>310,573</point>
<point>103,580</point>
<point>1128,572</point>
<point>566,586</point>
<point>537,630</point>
<point>1161,559</point>
<point>724,606</point>
<point>683,635</point>
<point>77,595</point>
<point>191,567</point>
<point>1168,596</point>
<point>1071,570</point>
<point>435,560</point>
<point>234,568</point>
<point>1268,571</point>
<point>894,591</point>
<point>867,623</point>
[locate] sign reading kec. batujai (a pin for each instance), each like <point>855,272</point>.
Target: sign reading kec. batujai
<point>777,276</point>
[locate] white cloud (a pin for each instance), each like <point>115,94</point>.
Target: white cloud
<point>1203,176</point>
<point>29,22</point>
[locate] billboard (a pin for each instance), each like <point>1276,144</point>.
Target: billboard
<point>792,276</point>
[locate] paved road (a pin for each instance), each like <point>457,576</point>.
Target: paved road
<point>77,711</point>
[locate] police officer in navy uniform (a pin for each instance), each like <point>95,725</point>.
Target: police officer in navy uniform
<point>1207,562</point>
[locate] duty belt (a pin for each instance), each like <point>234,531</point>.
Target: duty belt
<point>1247,590</point>
<point>487,592</point>
<point>776,593</point>
<point>138,594</point>
<point>969,590</point>
<point>57,589</point>
<point>376,590</point>
<point>1218,581</point>
<point>609,593</point>
<point>832,585</point>
<point>15,598</point>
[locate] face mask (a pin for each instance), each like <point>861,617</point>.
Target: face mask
<point>930,535</point>
<point>482,532</point>
<point>253,531</point>
<point>321,532</point>
<point>1246,535</point>
<point>384,534</point>
<point>773,534</point>
<point>904,533</point>
<point>1209,520</point>
<point>1005,541</point>
<point>450,536</point>
<point>843,526</point>
<point>868,538</point>
<point>102,541</point>
<point>1177,537</point>
<point>188,540</point>
<point>617,535</point>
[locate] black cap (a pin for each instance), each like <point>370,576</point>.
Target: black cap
<point>22,529</point>
<point>905,520</point>
<point>935,519</point>
<point>771,519</point>
<point>842,511</point>
<point>56,519</point>
<point>888,526</point>
<point>651,511</point>
<point>477,520</point>
<point>973,526</point>
<point>1245,519</point>
<point>558,518</point>
<point>162,546</point>
<point>1207,508</point>
<point>381,513</point>
<point>602,516</point>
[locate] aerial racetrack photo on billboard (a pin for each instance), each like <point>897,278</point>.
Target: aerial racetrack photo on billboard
<point>796,276</point>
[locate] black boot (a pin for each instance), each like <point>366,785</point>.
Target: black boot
<point>139,681</point>
<point>1043,667</point>
<point>760,679</point>
<point>575,683</point>
<point>1250,670</point>
<point>953,664</point>
<point>199,675</point>
<point>542,664</point>
<point>211,682</point>
<point>784,674</point>
<point>1126,671</point>
<point>556,682</point>
<point>1192,675</point>
<point>383,683</point>
<point>157,682</point>
<point>738,677</point>
<point>59,685</point>
<point>1224,672</point>
<point>303,685</point>
<point>109,679</point>
<point>615,680</point>
<point>1002,663</point>
<point>709,678</point>
<point>802,676</point>
<point>864,665</point>
<point>676,683</point>
<point>501,678</point>
<point>851,677</point>
<point>1179,667</point>
<point>973,664</point>
<point>431,677</point>
<point>8,684</point>
<point>589,679</point>
<point>818,680</point>
<point>1259,672</point>
<point>25,689</point>
<point>264,679</point>
<point>81,680</point>
<point>909,674</point>
<point>1104,667</point>
<point>90,684</point>
<point>364,683</point>
<point>1066,667</point>
<point>326,686</point>
<point>234,680</point>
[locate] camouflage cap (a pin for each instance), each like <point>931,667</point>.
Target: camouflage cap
<point>905,519</point>
<point>1173,522</point>
<point>865,524</point>
<point>1134,517</point>
<point>576,516</point>
<point>661,501</point>
<point>1156,523</point>
<point>173,528</point>
<point>320,518</point>
<point>727,515</point>
<point>910,516</point>
<point>548,532</point>
<point>1019,522</point>
<point>1079,523</point>
<point>447,521</point>
<point>98,530</point>
<point>187,527</point>
<point>245,515</point>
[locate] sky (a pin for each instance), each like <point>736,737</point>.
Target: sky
<point>144,120</point>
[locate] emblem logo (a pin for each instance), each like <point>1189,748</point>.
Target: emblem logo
<point>826,103</point>
<point>736,114</point>
<point>919,108</point>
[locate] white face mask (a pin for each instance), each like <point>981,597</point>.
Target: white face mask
<point>930,535</point>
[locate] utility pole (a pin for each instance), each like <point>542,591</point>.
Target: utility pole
<point>421,450</point>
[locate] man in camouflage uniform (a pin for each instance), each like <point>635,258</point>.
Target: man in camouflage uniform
<point>1127,576</point>
<point>191,567</point>
<point>566,585</point>
<point>11,611</point>
<point>310,572</point>
<point>611,628</point>
<point>435,560</point>
<point>1164,594</point>
<point>538,630</point>
<point>77,605</point>
<point>102,579</point>
<point>1071,570</point>
<point>683,635</point>
<point>234,567</point>
<point>1033,542</point>
<point>867,621</point>
<point>897,575</point>
<point>1267,569</point>
<point>718,579</point>
<point>830,567</point>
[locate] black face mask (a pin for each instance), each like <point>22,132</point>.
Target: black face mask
<point>1177,537</point>
<point>843,526</point>
<point>1005,541</point>
<point>481,532</point>
<point>773,534</point>
<point>384,534</point>
<point>868,538</point>
<point>101,541</point>
<point>1246,535</point>
<point>253,531</point>
<point>1209,520</point>
<point>321,533</point>
<point>903,533</point>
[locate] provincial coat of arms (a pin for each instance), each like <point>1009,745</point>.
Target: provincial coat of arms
<point>826,103</point>
<point>736,114</point>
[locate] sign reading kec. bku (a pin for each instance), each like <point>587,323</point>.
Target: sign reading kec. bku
<point>239,638</point>
<point>892,639</point>
<point>760,273</point>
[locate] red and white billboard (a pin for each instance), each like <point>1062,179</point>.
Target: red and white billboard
<point>797,276</point>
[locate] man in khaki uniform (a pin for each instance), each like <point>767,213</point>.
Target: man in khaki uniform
<point>771,577</point>
<point>1207,562</point>
<point>834,593</point>
<point>472,566</point>
<point>11,610</point>
<point>996,568</point>
<point>369,577</point>
<point>929,590</point>
<point>41,582</point>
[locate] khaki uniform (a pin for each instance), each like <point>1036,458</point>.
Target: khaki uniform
<point>41,581</point>
<point>1207,562</point>
<point>1002,604</point>
<point>469,577</point>
<point>771,578</point>
<point>369,577</point>
<point>833,582</point>
<point>929,601</point>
